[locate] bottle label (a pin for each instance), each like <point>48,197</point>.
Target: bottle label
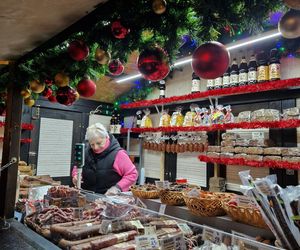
<point>210,84</point>
<point>195,86</point>
<point>243,78</point>
<point>162,92</point>
<point>252,76</point>
<point>218,83</point>
<point>138,122</point>
<point>112,129</point>
<point>262,73</point>
<point>274,70</point>
<point>226,81</point>
<point>234,79</point>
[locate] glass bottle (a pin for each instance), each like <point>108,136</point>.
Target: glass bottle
<point>210,84</point>
<point>262,69</point>
<point>139,118</point>
<point>195,83</point>
<point>226,78</point>
<point>234,73</point>
<point>243,72</point>
<point>252,70</point>
<point>162,89</point>
<point>274,65</point>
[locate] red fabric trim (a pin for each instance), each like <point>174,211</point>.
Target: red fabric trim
<point>24,140</point>
<point>25,126</point>
<point>281,84</point>
<point>292,123</point>
<point>258,164</point>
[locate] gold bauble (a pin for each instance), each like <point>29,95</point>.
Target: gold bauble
<point>289,24</point>
<point>77,95</point>
<point>61,80</point>
<point>102,56</point>
<point>159,6</point>
<point>294,4</point>
<point>36,86</point>
<point>29,102</point>
<point>25,93</point>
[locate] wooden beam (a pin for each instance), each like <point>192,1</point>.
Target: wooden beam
<point>11,148</point>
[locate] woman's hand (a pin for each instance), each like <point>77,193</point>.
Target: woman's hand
<point>113,190</point>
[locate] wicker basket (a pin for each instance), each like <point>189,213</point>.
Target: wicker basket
<point>153,194</point>
<point>206,207</point>
<point>172,198</point>
<point>249,216</point>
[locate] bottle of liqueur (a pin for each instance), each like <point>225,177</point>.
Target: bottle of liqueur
<point>218,82</point>
<point>118,124</point>
<point>162,89</point>
<point>274,65</point>
<point>243,72</point>
<point>262,68</point>
<point>252,70</point>
<point>210,84</point>
<point>226,78</point>
<point>112,124</point>
<point>234,73</point>
<point>195,83</point>
<point>139,118</point>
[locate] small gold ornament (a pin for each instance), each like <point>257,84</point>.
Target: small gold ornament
<point>36,86</point>
<point>159,6</point>
<point>29,102</point>
<point>102,56</point>
<point>25,93</point>
<point>289,24</point>
<point>77,95</point>
<point>61,80</point>
<point>294,4</point>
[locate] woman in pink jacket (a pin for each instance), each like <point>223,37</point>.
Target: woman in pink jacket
<point>108,169</point>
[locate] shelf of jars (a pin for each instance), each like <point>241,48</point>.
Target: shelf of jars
<point>292,163</point>
<point>291,123</point>
<point>265,87</point>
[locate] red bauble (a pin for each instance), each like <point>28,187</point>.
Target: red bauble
<point>118,30</point>
<point>210,60</point>
<point>153,63</point>
<point>78,50</point>
<point>115,67</point>
<point>86,87</point>
<point>66,95</point>
<point>47,92</point>
<point>52,98</point>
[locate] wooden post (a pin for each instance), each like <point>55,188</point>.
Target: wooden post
<point>11,148</point>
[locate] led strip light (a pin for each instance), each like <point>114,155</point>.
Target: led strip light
<point>239,44</point>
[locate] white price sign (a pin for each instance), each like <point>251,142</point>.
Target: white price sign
<point>185,229</point>
<point>162,184</point>
<point>175,242</point>
<point>147,242</point>
<point>162,209</point>
<point>212,236</point>
<point>258,135</point>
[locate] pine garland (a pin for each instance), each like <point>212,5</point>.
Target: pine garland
<point>202,19</point>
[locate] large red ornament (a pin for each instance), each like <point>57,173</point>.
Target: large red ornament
<point>210,60</point>
<point>52,98</point>
<point>118,30</point>
<point>115,67</point>
<point>66,95</point>
<point>47,92</point>
<point>86,87</point>
<point>78,50</point>
<point>153,63</point>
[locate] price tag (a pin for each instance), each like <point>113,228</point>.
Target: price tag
<point>245,201</point>
<point>162,209</point>
<point>146,242</point>
<point>185,229</point>
<point>244,244</point>
<point>175,242</point>
<point>162,184</point>
<point>264,187</point>
<point>212,236</point>
<point>78,213</point>
<point>150,230</point>
<point>258,135</point>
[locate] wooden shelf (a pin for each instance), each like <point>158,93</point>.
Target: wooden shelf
<point>267,88</point>
<point>215,127</point>
<point>251,163</point>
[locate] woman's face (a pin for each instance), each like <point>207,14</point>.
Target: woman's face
<point>97,144</point>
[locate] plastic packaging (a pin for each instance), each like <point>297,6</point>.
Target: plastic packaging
<point>177,118</point>
<point>244,116</point>
<point>146,121</point>
<point>265,115</point>
<point>165,119</point>
<point>189,116</point>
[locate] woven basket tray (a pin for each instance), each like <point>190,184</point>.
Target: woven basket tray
<point>206,207</point>
<point>145,194</point>
<point>249,216</point>
<point>172,198</point>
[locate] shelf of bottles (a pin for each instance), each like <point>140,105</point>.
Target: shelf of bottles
<point>259,75</point>
<point>251,163</point>
<point>292,123</point>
